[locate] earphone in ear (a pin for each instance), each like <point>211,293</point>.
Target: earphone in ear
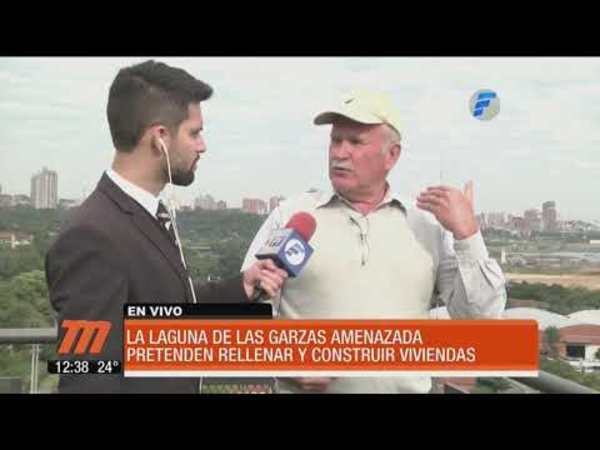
<point>173,213</point>
<point>162,145</point>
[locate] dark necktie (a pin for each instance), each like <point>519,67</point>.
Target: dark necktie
<point>163,216</point>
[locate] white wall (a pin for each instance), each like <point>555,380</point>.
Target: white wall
<point>590,352</point>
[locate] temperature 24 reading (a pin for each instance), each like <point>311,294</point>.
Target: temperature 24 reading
<point>83,367</point>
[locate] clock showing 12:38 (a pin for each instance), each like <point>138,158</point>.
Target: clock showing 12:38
<point>83,367</point>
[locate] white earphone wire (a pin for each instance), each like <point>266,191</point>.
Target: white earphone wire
<point>173,214</point>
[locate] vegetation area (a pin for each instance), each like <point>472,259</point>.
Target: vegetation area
<point>215,244</point>
<point>559,238</point>
<point>560,299</point>
<point>224,237</point>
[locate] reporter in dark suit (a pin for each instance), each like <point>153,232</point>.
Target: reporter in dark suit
<point>117,247</point>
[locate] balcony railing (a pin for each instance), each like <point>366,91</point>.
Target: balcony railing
<point>35,337</point>
<point>553,384</point>
<point>545,383</point>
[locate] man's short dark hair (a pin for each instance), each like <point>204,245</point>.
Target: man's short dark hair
<point>149,93</point>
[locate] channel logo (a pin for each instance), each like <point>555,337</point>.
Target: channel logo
<point>84,334</point>
<point>295,252</point>
<point>484,104</point>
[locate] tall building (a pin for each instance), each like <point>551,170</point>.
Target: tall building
<point>206,202</point>
<point>6,201</point>
<point>533,221</point>
<point>21,200</point>
<point>44,189</point>
<point>517,223</point>
<point>496,220</point>
<point>549,216</point>
<point>254,206</point>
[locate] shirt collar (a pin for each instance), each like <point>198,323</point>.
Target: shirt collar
<point>390,197</point>
<point>146,199</point>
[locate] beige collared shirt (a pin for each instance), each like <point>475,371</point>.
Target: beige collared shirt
<point>392,263</point>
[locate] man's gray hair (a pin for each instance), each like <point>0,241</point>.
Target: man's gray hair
<point>392,138</point>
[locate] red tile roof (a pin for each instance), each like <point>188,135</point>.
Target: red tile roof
<point>580,334</point>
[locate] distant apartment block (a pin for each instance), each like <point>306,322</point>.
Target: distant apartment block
<point>44,189</point>
<point>15,238</point>
<point>254,206</point>
<point>549,216</point>
<point>6,201</point>
<point>21,200</point>
<point>496,220</point>
<point>533,220</point>
<point>206,202</point>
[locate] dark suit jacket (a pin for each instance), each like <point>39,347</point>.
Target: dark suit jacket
<point>112,252</point>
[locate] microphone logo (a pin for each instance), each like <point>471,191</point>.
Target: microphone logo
<point>295,252</point>
<point>288,247</point>
<point>275,241</point>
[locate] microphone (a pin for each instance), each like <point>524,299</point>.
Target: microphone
<point>288,247</point>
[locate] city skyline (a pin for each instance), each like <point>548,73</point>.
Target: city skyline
<point>258,126</point>
<point>196,203</point>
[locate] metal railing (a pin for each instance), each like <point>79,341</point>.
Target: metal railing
<point>35,337</point>
<point>553,384</point>
<point>545,382</point>
<point>28,335</point>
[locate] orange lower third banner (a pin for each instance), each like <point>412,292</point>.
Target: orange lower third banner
<point>230,348</point>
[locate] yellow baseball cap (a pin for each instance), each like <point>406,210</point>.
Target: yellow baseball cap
<point>363,106</point>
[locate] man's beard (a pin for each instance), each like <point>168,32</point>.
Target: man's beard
<point>181,177</point>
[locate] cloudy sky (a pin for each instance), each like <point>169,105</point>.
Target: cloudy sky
<point>544,144</point>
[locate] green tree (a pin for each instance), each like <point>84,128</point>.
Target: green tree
<point>231,256</point>
<point>24,304</point>
<point>19,260</point>
<point>551,340</point>
<point>560,299</point>
<point>24,301</point>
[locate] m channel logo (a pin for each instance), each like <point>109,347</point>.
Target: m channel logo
<point>89,336</point>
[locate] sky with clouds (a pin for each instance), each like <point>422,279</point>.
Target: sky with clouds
<point>544,144</point>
